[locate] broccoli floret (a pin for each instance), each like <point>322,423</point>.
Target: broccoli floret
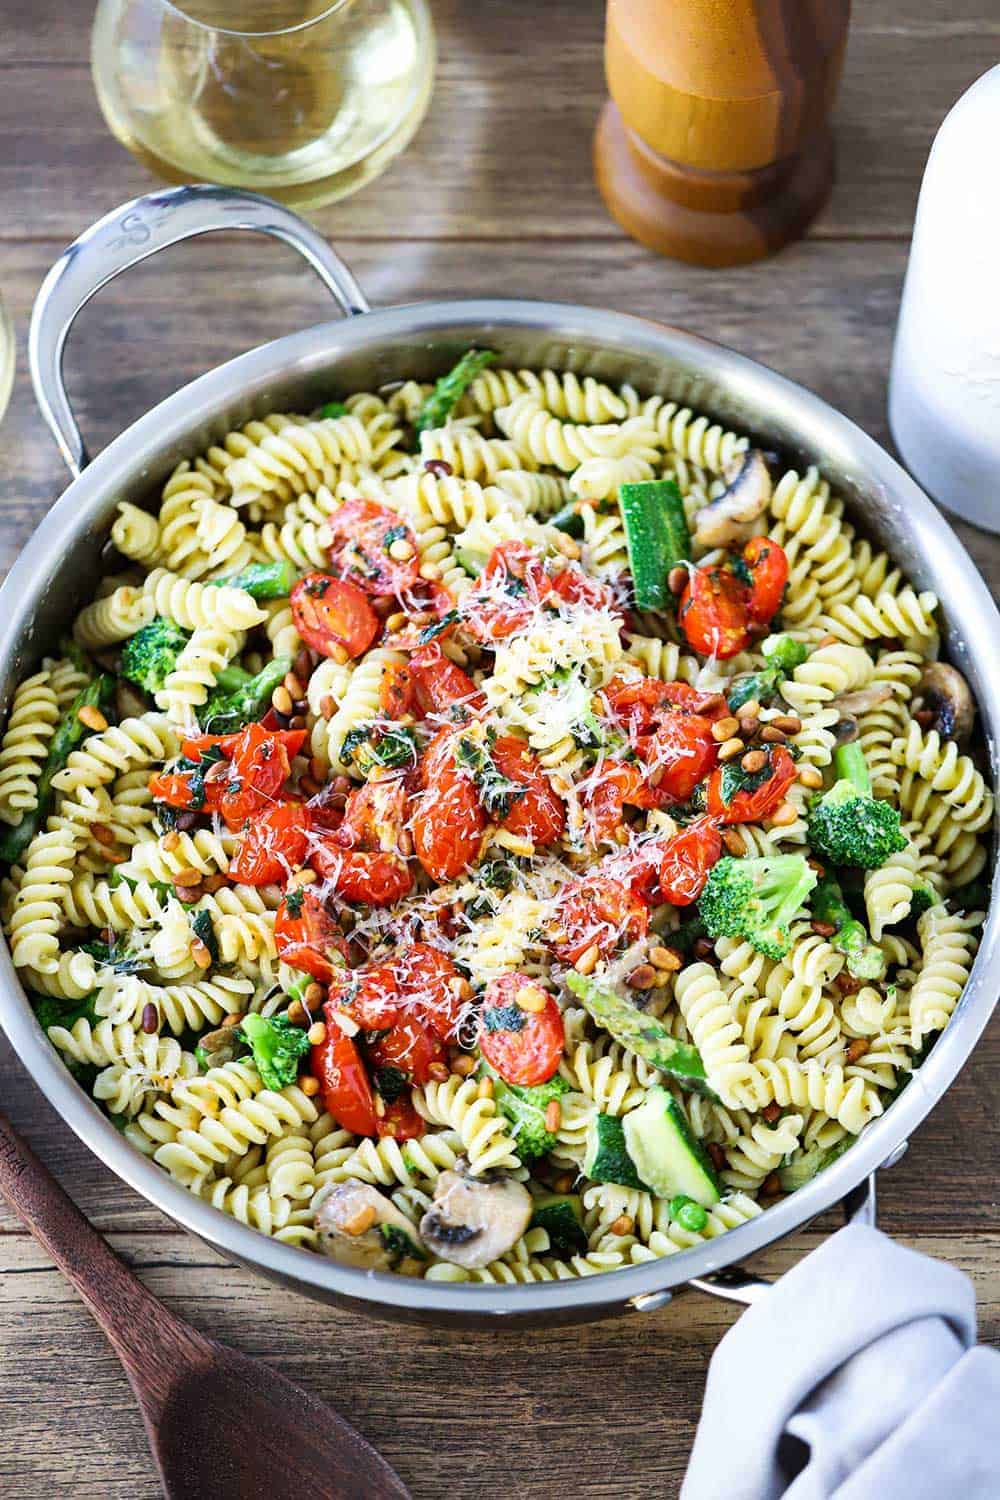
<point>277,1046</point>
<point>149,656</point>
<point>525,1109</point>
<point>261,580</point>
<point>783,655</point>
<point>69,732</point>
<point>239,699</point>
<point>848,825</point>
<point>865,960</point>
<point>756,899</point>
<point>924,896</point>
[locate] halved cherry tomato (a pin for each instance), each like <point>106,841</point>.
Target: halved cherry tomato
<point>768,568</point>
<point>400,1120</point>
<point>361,857</point>
<point>714,612</point>
<point>360,535</point>
<point>272,846</point>
<point>396,691</point>
<point>439,684</point>
<point>430,984</point>
<point>329,613</point>
<point>511,586</point>
<point>347,1094</point>
<point>307,937</point>
<point>260,767</point>
<point>678,754</point>
<point>196,744</point>
<point>597,912</point>
<point>574,586</point>
<point>639,703</point>
<point>370,996</point>
<point>178,789</point>
<point>449,822</point>
<point>409,1047</point>
<point>621,784</point>
<point>686,860</point>
<point>539,814</point>
<point>753,806</point>
<point>523,1045</point>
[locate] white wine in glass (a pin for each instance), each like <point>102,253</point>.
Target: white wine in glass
<point>303,100</point>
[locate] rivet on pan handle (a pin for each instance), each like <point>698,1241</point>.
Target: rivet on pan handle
<point>130,234</point>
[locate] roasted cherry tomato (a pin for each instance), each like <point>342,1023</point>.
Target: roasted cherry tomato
<point>396,694</point>
<point>260,766</point>
<point>196,744</point>
<point>685,862</point>
<point>714,612</point>
<point>767,565</point>
<point>362,856</point>
<point>331,614</point>
<point>678,754</point>
<point>438,684</point>
<point>521,1031</point>
<point>538,814</point>
<point>510,588</point>
<point>731,803</point>
<point>408,1047</point>
<point>343,1080</point>
<point>639,703</point>
<point>370,996</point>
<point>307,937</point>
<point>596,912</point>
<point>181,789</point>
<point>620,784</point>
<point>574,586</point>
<point>432,987</point>
<point>363,538</point>
<point>400,1120</point>
<point>272,845</point>
<point>449,822</point>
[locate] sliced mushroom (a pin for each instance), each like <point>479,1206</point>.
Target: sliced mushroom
<point>845,730</point>
<point>360,1227</point>
<point>863,699</point>
<point>475,1220</point>
<point>729,517</point>
<point>946,695</point>
<point>129,702</point>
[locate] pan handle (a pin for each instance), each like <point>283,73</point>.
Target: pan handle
<point>734,1284</point>
<point>128,235</point>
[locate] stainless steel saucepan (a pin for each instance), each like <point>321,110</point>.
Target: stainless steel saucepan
<point>56,573</point>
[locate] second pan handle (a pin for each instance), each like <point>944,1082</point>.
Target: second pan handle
<point>130,234</point>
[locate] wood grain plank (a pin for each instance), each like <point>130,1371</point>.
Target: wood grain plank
<point>410,1391</point>
<point>505,149</point>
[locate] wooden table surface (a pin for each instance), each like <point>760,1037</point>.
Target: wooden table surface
<point>495,195</point>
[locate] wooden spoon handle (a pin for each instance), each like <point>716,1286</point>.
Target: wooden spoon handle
<point>134,1321</point>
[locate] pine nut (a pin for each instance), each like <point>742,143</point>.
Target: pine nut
<point>811,777</point>
<point>790,723</point>
<point>314,995</point>
<point>731,748</point>
<point>667,959</point>
<point>553,1116</point>
<point>309,1085</point>
<point>302,665</point>
<point>293,685</point>
<point>233,1019</point>
<point>327,706</point>
<point>785,815</point>
<point>361,1221</point>
<point>150,1018</point>
<point>771,1186</point>
<point>587,962</point>
<point>281,700</point>
<point>463,1065</point>
<point>439,1071</point>
<point>485,1089</point>
<point>856,1049</point>
<point>187,877</point>
<point>532,998</point>
<point>92,718</point>
<point>563,1183</point>
<point>772,736</point>
<point>677,579</point>
<point>316,1035</point>
<point>733,843</point>
<point>213,883</point>
<point>749,728</point>
<point>340,654</point>
<point>724,729</point>
<point>642,978</point>
<point>170,840</point>
<point>400,550</point>
<point>624,1224</point>
<point>296,1014</point>
<point>750,709</point>
<point>754,760</point>
<point>200,954</point>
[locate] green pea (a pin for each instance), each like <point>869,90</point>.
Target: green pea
<point>688,1214</point>
<point>333,409</point>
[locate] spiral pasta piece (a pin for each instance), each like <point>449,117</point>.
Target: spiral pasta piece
<point>948,947</point>
<point>33,718</point>
<point>564,395</point>
<point>108,621</point>
<point>136,533</point>
<point>544,439</point>
<point>711,1019</point>
<point>456,1103</point>
<point>954,777</point>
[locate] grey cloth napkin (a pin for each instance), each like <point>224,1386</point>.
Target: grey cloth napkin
<point>857,1377</point>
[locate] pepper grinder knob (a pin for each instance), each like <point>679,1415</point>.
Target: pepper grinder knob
<point>715,146</point>
<point>944,389</point>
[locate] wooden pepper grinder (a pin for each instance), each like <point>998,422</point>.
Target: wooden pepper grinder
<point>715,146</point>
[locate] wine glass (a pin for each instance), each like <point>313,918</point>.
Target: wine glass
<point>6,358</point>
<point>300,99</point>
